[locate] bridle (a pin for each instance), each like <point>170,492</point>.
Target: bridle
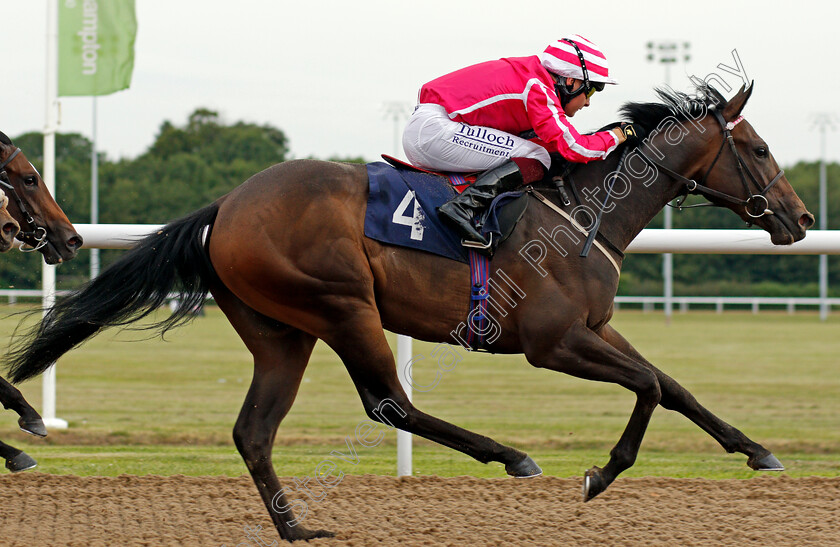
<point>755,205</point>
<point>35,233</point>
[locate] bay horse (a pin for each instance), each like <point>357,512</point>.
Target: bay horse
<point>285,257</point>
<point>27,202</point>
<point>9,227</point>
<point>29,421</point>
<point>44,225</point>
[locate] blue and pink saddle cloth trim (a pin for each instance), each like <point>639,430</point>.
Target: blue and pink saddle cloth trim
<point>402,210</point>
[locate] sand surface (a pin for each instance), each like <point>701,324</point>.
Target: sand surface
<point>51,510</point>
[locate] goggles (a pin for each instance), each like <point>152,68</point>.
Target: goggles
<point>593,87</point>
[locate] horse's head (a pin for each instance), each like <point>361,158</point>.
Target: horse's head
<point>742,174</point>
<point>44,226</point>
<point>706,147</point>
<point>8,225</point>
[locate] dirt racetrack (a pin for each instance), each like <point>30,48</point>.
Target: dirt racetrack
<point>51,510</point>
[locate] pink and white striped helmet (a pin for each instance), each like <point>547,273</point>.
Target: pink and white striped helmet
<point>561,58</point>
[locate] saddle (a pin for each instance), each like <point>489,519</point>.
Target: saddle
<point>396,186</point>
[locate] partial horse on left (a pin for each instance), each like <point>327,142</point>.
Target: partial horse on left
<point>25,201</point>
<point>43,225</point>
<point>11,399</point>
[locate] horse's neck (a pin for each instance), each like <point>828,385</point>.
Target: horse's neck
<point>632,206</point>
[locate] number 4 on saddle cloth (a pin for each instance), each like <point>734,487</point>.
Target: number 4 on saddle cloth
<point>402,209</point>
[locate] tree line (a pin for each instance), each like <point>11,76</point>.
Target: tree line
<point>191,165</point>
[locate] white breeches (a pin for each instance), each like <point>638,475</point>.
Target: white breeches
<point>433,141</point>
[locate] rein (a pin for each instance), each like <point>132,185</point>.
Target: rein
<point>37,233</point>
<point>755,205</point>
<point>591,237</point>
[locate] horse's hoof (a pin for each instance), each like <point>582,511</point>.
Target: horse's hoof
<point>525,469</point>
<point>767,463</point>
<point>593,484</point>
<point>21,462</point>
<point>305,534</point>
<point>33,426</point>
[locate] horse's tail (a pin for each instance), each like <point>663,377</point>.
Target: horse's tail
<point>171,260</point>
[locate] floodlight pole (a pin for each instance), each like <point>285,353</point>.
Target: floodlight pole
<point>823,122</point>
<point>667,53</point>
<point>397,111</point>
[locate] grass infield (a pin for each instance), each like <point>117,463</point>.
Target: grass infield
<point>146,406</point>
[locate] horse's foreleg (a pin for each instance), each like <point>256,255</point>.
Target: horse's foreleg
<point>581,353</point>
<point>16,460</point>
<point>675,397</point>
<point>12,399</point>
<point>281,354</point>
<point>8,452</point>
<point>361,345</point>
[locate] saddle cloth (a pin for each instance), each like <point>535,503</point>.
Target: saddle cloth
<point>402,210</point>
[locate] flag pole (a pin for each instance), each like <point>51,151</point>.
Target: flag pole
<point>94,193</point>
<point>50,129</point>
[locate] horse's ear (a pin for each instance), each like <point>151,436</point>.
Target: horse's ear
<point>736,104</point>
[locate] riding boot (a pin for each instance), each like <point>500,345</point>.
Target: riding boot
<point>460,210</point>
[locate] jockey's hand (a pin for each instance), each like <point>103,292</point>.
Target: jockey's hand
<point>633,133</point>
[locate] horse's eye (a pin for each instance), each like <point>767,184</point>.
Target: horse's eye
<point>30,180</point>
<point>761,152</point>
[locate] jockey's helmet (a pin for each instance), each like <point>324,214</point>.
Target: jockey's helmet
<point>573,55</point>
<point>578,58</point>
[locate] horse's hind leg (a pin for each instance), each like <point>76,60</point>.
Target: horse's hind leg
<point>675,397</point>
<point>281,354</point>
<point>360,343</point>
<point>12,399</point>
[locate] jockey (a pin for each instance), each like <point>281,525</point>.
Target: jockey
<point>470,120</point>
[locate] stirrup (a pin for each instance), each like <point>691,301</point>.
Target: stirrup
<point>477,245</point>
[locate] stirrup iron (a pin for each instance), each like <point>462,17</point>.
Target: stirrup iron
<point>477,245</point>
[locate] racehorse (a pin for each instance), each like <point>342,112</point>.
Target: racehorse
<point>9,227</point>
<point>45,227</point>
<point>285,257</point>
<point>27,202</point>
<point>29,421</point>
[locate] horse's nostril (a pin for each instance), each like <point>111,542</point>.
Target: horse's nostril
<point>11,229</point>
<point>75,242</point>
<point>807,220</point>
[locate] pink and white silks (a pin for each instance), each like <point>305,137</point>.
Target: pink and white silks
<point>470,120</point>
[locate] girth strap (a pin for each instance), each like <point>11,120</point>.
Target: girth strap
<point>545,201</point>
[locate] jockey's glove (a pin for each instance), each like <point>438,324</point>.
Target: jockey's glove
<point>633,133</point>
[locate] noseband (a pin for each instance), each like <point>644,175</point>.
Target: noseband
<point>755,205</point>
<point>36,233</point>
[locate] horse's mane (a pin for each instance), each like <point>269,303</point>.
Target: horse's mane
<point>674,104</point>
<point>4,139</point>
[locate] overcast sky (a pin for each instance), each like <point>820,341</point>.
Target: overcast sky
<point>323,71</point>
